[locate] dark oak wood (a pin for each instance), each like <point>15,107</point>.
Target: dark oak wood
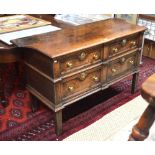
<point>134,82</point>
<point>79,38</point>
<point>69,64</point>
<point>58,122</point>
<point>149,48</point>
<point>141,130</point>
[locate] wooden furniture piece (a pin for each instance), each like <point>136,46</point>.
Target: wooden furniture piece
<point>67,65</point>
<point>141,130</point>
<point>149,44</point>
<point>149,48</point>
<point>7,55</point>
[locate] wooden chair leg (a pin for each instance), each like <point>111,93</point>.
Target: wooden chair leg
<point>58,122</point>
<point>3,100</point>
<point>141,130</point>
<point>134,82</point>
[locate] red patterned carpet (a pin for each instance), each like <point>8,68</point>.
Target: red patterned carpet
<point>17,122</point>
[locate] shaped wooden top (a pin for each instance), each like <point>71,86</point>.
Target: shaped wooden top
<point>65,41</point>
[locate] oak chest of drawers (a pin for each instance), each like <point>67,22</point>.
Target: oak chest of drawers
<point>67,65</point>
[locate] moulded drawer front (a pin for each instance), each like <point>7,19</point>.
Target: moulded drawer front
<point>122,65</point>
<point>80,60</point>
<point>123,45</point>
<point>81,82</point>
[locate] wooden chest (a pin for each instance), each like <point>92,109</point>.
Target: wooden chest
<point>68,65</point>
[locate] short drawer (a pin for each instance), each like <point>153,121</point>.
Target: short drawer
<point>122,65</point>
<point>123,45</point>
<point>80,60</point>
<point>81,82</point>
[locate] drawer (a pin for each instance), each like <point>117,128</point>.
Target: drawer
<point>123,45</point>
<point>122,65</point>
<point>81,82</point>
<point>80,60</point>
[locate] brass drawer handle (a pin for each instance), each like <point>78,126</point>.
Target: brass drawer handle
<point>82,56</point>
<point>133,43</point>
<point>113,70</point>
<point>115,50</point>
<point>124,41</point>
<point>71,88</point>
<point>95,56</point>
<point>95,78</point>
<point>131,62</point>
<point>83,76</point>
<point>69,64</point>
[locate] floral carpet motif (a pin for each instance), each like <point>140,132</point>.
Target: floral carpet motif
<point>17,122</point>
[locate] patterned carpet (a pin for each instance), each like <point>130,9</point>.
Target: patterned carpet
<point>17,122</point>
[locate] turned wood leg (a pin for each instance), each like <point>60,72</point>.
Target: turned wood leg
<point>3,101</point>
<point>58,122</point>
<point>134,82</point>
<point>34,103</point>
<point>141,130</point>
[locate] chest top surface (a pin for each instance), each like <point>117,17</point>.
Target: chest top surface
<point>66,41</point>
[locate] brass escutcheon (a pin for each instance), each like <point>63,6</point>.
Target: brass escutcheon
<point>83,76</point>
<point>124,41</point>
<point>122,60</point>
<point>82,56</point>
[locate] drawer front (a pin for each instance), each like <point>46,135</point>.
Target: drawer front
<point>123,45</point>
<point>81,82</point>
<point>80,60</point>
<point>122,65</point>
